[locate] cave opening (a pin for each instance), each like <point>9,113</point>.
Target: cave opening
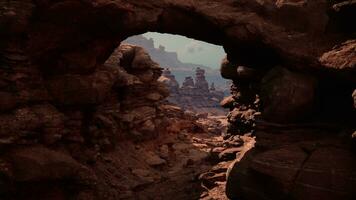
<point>191,70</point>
<point>186,131</point>
<point>69,114</point>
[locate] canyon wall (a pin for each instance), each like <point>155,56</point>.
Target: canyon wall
<point>292,62</point>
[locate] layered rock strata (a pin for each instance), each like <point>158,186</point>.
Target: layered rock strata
<point>50,135</point>
<point>53,82</point>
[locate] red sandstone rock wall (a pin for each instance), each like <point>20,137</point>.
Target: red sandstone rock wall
<point>57,95</point>
<point>51,136</point>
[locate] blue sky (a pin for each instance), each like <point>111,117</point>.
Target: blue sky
<point>190,50</point>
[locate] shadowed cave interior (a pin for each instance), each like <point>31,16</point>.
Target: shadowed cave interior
<point>83,117</point>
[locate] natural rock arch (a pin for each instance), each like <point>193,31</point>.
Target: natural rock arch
<point>255,30</point>
<point>56,44</point>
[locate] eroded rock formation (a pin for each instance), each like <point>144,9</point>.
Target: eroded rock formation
<point>193,96</point>
<point>57,97</point>
<point>169,59</point>
<point>77,116</point>
<point>303,149</point>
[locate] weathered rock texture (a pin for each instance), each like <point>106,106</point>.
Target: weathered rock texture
<point>304,149</point>
<point>51,135</point>
<point>57,96</point>
<point>193,96</point>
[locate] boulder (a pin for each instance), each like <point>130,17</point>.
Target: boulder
<point>287,96</point>
<point>327,174</point>
<point>228,70</point>
<point>227,102</point>
<point>41,164</point>
<point>142,59</point>
<point>274,171</point>
<point>154,160</point>
<point>341,57</point>
<point>299,172</point>
<point>246,73</point>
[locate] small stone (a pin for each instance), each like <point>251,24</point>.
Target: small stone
<point>154,160</point>
<point>229,154</point>
<point>209,179</point>
<point>227,102</point>
<point>214,153</point>
<point>164,151</point>
<point>148,126</point>
<point>141,172</point>
<point>107,159</point>
<point>200,146</point>
<point>8,140</point>
<point>182,136</point>
<point>218,149</point>
<point>154,96</point>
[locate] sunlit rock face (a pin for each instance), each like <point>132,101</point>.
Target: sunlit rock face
<point>58,99</point>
